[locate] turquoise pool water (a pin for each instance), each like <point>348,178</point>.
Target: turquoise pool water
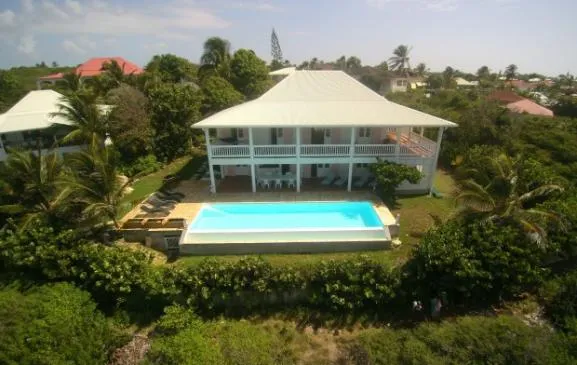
<point>286,216</point>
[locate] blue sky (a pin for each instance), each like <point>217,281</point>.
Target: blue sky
<point>537,35</point>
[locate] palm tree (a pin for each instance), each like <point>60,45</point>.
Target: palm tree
<point>313,63</point>
<point>216,57</point>
<point>341,63</point>
<point>95,183</point>
<point>73,81</point>
<point>400,61</point>
<point>31,184</point>
<point>511,71</point>
<point>88,119</point>
<point>496,194</point>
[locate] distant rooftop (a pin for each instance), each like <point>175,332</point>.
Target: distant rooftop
<point>93,67</point>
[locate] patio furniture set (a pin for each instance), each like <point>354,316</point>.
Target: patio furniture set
<point>160,204</point>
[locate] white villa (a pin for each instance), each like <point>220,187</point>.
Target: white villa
<point>29,124</point>
<point>319,127</point>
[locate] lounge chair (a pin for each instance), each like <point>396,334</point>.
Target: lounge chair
<point>341,181</point>
<point>156,201</point>
<point>154,210</point>
<point>164,196</point>
<point>362,181</point>
<point>328,179</point>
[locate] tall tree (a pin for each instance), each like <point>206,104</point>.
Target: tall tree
<point>10,90</point>
<point>500,192</point>
<point>341,62</point>
<point>449,77</point>
<point>171,68</point>
<point>174,108</point>
<point>249,74</point>
<point>483,73</point>
<point>400,61</point>
<point>275,50</point>
<point>89,120</point>
<point>421,69</point>
<point>313,63</point>
<point>511,71</point>
<point>129,123</point>
<point>72,82</point>
<point>353,63</point>
<point>215,58</point>
<point>218,94</point>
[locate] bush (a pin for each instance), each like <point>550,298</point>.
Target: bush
<point>53,324</point>
<point>143,165</point>
<point>468,340</point>
<point>474,263</point>
<point>560,299</point>
<point>389,175</point>
<point>182,338</point>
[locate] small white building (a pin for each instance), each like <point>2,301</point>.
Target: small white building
<point>319,125</point>
<point>29,124</point>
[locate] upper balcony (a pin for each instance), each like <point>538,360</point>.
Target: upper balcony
<point>409,145</point>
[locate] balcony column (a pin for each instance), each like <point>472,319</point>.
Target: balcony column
<point>252,167</point>
<point>351,157</point>
<point>2,149</point>
<point>436,160</point>
<point>209,154</point>
<point>298,151</point>
<point>398,145</point>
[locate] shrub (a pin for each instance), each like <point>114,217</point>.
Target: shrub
<point>560,299</point>
<point>468,340</point>
<point>143,165</point>
<point>389,175</point>
<point>53,324</point>
<point>474,263</point>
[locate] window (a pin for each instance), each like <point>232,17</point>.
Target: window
<point>401,82</point>
<point>327,132</point>
<point>240,133</point>
<point>364,132</point>
<point>362,165</point>
<point>326,165</point>
<point>279,132</point>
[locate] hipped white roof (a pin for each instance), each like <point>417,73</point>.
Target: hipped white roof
<point>320,98</point>
<point>32,112</point>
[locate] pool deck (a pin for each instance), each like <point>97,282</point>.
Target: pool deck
<point>197,193</point>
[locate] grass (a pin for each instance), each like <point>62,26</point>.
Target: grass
<point>416,219</point>
<point>183,168</point>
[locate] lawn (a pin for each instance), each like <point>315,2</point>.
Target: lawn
<point>416,219</point>
<point>183,168</point>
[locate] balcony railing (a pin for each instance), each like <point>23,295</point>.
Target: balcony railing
<point>230,151</point>
<point>279,150</point>
<point>319,150</point>
<point>374,149</point>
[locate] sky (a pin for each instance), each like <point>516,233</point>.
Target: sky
<point>536,35</point>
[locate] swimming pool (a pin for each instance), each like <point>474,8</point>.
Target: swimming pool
<point>279,227</point>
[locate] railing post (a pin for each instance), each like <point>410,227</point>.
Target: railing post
<point>298,154</point>
<point>351,157</point>
<point>210,167</point>
<point>398,145</point>
<point>435,161</point>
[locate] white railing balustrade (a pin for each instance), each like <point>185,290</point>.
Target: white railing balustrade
<point>374,149</point>
<point>335,150</point>
<point>278,150</point>
<point>230,151</point>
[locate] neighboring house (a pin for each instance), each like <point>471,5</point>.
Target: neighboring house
<point>396,84</point>
<point>29,124</point>
<point>529,85</point>
<point>91,68</point>
<point>519,104</point>
<point>461,82</point>
<point>320,124</point>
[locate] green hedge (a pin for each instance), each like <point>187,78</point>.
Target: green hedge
<point>468,340</point>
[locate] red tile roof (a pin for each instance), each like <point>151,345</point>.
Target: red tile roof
<point>529,107</point>
<point>505,96</point>
<point>93,67</point>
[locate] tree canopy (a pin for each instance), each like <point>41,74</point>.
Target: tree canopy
<point>249,74</point>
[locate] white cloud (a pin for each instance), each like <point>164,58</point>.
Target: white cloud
<point>435,5</point>
<point>74,6</point>
<point>71,47</point>
<point>7,18</point>
<point>27,6</point>
<point>27,44</point>
<point>442,5</point>
<point>254,5</point>
<point>155,46</point>
<point>54,10</point>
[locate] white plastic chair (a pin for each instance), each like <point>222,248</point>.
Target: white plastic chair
<point>278,184</point>
<point>292,183</point>
<point>265,184</point>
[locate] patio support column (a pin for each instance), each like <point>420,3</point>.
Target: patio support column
<point>252,168</point>
<point>436,160</point>
<point>298,153</point>
<point>422,131</point>
<point>398,145</point>
<point>351,157</point>
<point>210,167</point>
